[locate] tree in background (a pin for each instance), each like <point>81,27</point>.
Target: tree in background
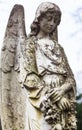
<point>79,111</point>
<point>0,126</point>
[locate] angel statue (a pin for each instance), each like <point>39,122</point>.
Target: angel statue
<point>38,86</point>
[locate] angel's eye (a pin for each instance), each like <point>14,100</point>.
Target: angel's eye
<point>49,18</point>
<point>55,20</point>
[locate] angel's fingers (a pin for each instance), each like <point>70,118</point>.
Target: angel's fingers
<point>68,104</point>
<point>63,105</point>
<point>60,106</point>
<point>54,96</point>
<point>55,99</point>
<point>52,93</point>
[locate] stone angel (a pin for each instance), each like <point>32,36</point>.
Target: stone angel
<point>38,86</point>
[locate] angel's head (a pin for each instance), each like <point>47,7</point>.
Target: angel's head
<point>46,10</point>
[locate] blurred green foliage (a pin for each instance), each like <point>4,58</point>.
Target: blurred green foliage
<point>0,126</point>
<point>79,111</point>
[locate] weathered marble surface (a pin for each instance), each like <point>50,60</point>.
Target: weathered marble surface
<point>38,87</point>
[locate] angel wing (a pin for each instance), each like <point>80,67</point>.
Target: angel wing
<point>15,33</point>
<point>12,102</point>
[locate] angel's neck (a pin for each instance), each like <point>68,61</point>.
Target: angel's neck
<point>43,35</point>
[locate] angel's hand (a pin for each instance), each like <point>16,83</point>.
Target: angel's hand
<point>64,104</point>
<point>57,94</point>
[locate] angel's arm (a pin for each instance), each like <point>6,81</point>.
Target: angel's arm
<point>70,80</point>
<point>69,85</point>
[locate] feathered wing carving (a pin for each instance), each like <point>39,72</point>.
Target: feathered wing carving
<point>15,32</point>
<point>12,102</point>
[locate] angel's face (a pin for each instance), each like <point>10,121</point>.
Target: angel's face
<point>48,22</point>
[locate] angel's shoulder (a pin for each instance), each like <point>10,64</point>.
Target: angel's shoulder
<point>30,42</point>
<point>30,39</point>
<point>58,45</point>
